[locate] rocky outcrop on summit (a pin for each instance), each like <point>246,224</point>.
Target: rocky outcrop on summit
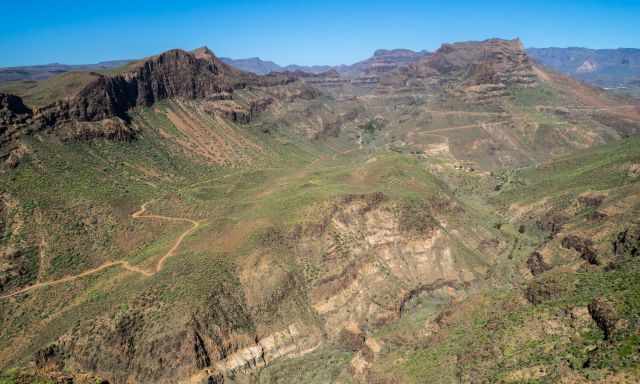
<point>100,108</point>
<point>489,61</point>
<point>476,71</point>
<point>172,74</point>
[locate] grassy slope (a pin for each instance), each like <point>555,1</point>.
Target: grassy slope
<point>62,186</point>
<point>44,92</point>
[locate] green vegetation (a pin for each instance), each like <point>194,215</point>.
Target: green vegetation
<point>41,93</point>
<point>534,96</point>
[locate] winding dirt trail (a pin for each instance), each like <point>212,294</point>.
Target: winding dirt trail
<point>139,214</point>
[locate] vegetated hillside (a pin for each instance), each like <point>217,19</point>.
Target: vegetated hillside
<point>465,218</point>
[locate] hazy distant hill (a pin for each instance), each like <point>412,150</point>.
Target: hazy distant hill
<point>263,67</point>
<point>253,64</point>
<point>42,72</point>
<point>608,68</point>
<point>383,60</point>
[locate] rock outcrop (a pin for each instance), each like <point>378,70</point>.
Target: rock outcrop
<point>627,243</point>
<point>583,246</point>
<point>605,316</point>
<point>491,61</point>
<point>14,115</point>
<point>371,247</point>
<point>536,264</point>
<point>172,74</point>
<point>476,71</point>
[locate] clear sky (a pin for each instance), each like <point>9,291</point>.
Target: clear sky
<point>300,32</point>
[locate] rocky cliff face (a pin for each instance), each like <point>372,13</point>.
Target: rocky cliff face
<point>476,71</point>
<point>100,109</point>
<point>12,109</point>
<point>173,74</point>
<point>13,115</point>
<point>378,257</point>
<point>216,341</point>
<point>490,60</point>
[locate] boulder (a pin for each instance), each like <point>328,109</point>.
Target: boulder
<point>605,316</point>
<point>536,264</point>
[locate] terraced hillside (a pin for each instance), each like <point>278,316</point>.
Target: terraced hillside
<point>469,218</point>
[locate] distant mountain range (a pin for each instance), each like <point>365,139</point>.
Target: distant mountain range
<point>606,68</point>
<point>263,67</point>
<point>383,60</point>
<point>42,72</point>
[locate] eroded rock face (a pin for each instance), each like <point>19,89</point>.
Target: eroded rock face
<point>374,261</point>
<point>551,223</point>
<point>385,60</point>
<point>477,71</point>
<point>296,340</point>
<point>545,289</point>
<point>215,342</point>
<point>536,264</point>
<point>627,243</point>
<point>605,315</point>
<point>172,74</point>
<point>485,62</point>
<point>131,346</point>
<point>12,110</point>
<point>583,246</point>
<point>14,118</point>
<point>228,109</point>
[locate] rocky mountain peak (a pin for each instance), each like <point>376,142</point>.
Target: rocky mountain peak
<point>172,74</point>
<point>204,53</point>
<point>493,61</point>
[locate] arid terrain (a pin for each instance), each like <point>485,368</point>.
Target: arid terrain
<point>466,215</point>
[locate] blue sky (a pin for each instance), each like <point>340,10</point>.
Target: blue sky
<point>300,32</point>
